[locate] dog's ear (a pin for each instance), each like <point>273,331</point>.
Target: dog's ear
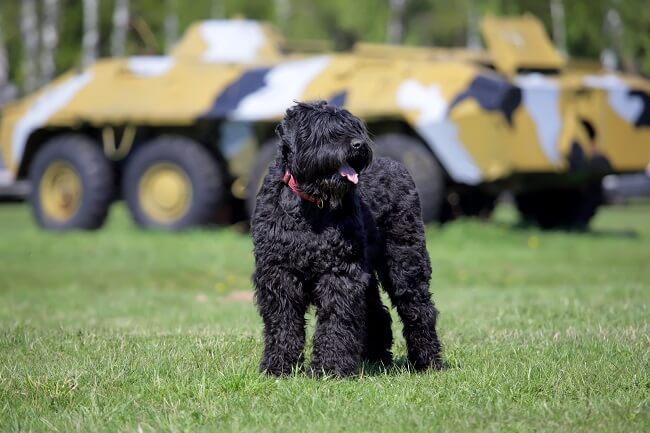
<point>285,142</point>
<point>279,131</point>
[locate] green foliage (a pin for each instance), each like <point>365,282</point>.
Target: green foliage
<point>427,22</point>
<point>126,330</point>
<point>636,38</point>
<point>585,34</point>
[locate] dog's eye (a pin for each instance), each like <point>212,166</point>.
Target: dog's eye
<point>356,143</point>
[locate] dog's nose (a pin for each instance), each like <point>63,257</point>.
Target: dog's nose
<point>356,144</point>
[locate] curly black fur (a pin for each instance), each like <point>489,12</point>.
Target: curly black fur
<point>334,257</point>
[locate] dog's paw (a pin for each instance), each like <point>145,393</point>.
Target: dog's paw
<point>321,373</point>
<point>384,358</point>
<point>280,369</point>
<point>433,363</point>
<point>338,370</point>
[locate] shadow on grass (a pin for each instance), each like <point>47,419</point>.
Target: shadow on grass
<point>578,231</point>
<point>399,366</point>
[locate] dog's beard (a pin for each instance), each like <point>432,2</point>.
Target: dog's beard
<point>331,189</point>
<point>331,170</point>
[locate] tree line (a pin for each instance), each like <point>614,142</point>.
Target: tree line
<point>42,38</point>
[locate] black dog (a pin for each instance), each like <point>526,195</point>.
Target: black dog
<point>328,224</point>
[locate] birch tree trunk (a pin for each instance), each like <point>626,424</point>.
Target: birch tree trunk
<point>91,32</point>
<point>49,39</point>
<point>473,37</point>
<point>559,25</point>
<point>396,21</point>
<point>120,28</point>
<point>614,29</point>
<point>282,12</point>
<point>171,24</point>
<point>29,31</point>
<point>4,63</point>
<point>217,9</point>
<point>7,90</point>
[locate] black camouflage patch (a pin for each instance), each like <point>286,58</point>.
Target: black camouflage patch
<point>231,97</point>
<point>493,94</point>
<point>644,118</point>
<point>338,99</point>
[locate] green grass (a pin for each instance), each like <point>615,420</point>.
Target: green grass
<point>123,330</point>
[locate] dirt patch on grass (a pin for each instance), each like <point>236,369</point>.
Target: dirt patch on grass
<point>240,296</point>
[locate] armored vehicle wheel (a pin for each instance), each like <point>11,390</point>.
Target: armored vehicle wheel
<point>476,203</point>
<point>423,167</point>
<point>72,184</point>
<point>468,202</point>
<point>570,208</point>
<point>172,182</point>
<point>265,157</point>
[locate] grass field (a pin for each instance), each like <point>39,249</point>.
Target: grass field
<point>124,330</point>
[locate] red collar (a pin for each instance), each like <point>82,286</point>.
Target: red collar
<point>293,185</point>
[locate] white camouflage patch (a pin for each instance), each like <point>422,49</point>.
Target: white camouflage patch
<point>47,104</point>
<point>440,132</point>
<point>231,41</point>
<point>150,66</point>
<point>541,98</point>
<point>284,84</point>
<point>629,107</point>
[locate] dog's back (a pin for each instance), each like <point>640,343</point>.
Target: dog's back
<point>385,186</point>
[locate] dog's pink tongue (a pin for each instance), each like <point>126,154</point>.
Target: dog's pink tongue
<point>349,173</point>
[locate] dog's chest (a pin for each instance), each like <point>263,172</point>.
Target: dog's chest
<point>330,247</point>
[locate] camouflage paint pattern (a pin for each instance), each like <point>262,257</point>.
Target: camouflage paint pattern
<point>482,125</point>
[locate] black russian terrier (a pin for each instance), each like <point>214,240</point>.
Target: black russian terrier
<point>329,223</point>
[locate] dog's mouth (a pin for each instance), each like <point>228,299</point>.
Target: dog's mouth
<point>349,173</point>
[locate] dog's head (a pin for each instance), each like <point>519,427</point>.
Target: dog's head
<point>325,148</point>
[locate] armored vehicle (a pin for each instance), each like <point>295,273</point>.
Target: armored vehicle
<point>185,139</point>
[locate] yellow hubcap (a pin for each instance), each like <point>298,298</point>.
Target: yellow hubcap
<point>60,191</point>
<point>165,193</point>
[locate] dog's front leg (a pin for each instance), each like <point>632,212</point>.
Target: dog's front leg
<point>282,304</point>
<point>340,328</point>
<point>405,271</point>
<point>407,284</point>
<point>419,316</point>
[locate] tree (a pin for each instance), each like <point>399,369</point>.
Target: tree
<point>120,28</point>
<point>559,25</point>
<point>7,90</point>
<point>217,9</point>
<point>473,35</point>
<point>29,32</point>
<point>49,39</point>
<point>282,12</point>
<point>4,62</point>
<point>171,24</point>
<point>90,32</point>
<point>395,30</point>
<point>415,22</point>
<point>613,28</point>
<point>636,38</point>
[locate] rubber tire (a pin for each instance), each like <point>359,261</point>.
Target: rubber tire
<point>469,202</point>
<point>202,169</point>
<point>97,180</point>
<point>263,160</point>
<point>566,208</point>
<point>428,175</point>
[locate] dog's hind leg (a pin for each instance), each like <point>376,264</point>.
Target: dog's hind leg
<point>405,272</point>
<point>282,304</point>
<point>379,336</point>
<point>340,326</point>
